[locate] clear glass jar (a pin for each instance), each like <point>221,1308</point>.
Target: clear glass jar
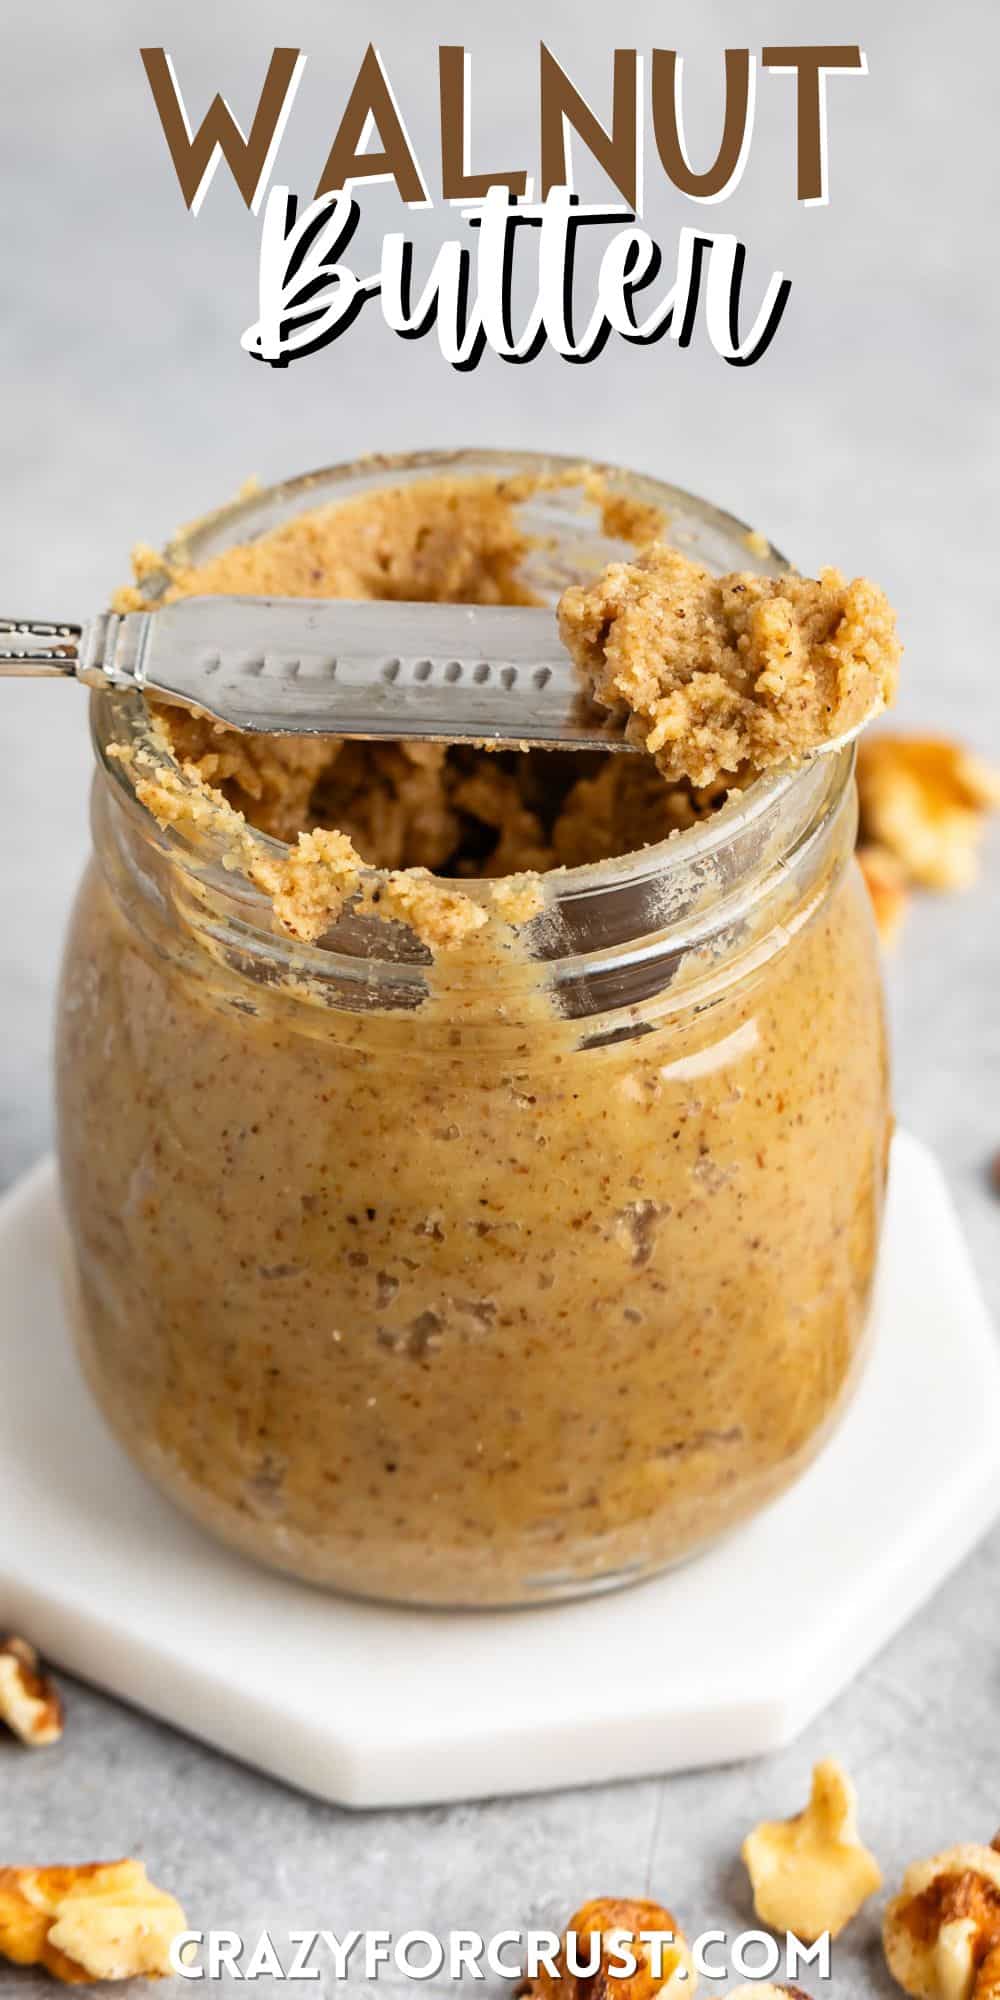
<point>477,1283</point>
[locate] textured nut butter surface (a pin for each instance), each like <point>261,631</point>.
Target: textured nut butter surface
<point>719,674</point>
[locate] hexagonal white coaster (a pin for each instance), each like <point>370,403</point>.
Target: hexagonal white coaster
<point>370,1706</point>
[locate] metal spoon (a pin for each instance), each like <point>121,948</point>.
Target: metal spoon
<point>450,673</point>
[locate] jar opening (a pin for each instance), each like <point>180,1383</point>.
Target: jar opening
<point>618,905</point>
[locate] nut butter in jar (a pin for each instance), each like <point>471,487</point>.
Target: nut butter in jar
<point>494,1274</point>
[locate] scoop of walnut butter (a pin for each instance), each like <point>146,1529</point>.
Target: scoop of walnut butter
<point>728,676</point>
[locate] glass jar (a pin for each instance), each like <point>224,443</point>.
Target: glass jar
<point>477,1281</point>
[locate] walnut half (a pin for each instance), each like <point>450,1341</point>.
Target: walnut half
<point>669,1976</point>
<point>925,800</point>
<point>942,1932</point>
<point>100,1920</point>
<point>29,1701</point>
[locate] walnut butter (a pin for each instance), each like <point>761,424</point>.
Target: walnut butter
<point>474,1163</point>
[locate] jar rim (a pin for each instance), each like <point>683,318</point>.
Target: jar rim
<point>639,880</point>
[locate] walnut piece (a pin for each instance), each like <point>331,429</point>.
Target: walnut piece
<point>669,1976</point>
<point>99,1920</point>
<point>926,800</point>
<point>812,1873</point>
<point>887,884</point>
<point>942,1932</point>
<point>29,1701</point>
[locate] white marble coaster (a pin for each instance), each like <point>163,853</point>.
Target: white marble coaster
<point>380,1707</point>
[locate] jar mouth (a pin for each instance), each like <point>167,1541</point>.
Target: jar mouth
<point>617,904</point>
<point>119,720</point>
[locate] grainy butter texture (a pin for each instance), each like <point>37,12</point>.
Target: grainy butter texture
<point>469,1301</point>
<point>728,676</point>
<point>418,807</point>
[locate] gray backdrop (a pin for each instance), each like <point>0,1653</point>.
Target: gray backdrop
<point>867,437</point>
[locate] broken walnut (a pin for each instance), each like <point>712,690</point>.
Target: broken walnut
<point>101,1920</point>
<point>926,800</point>
<point>29,1701</point>
<point>812,1873</point>
<point>887,884</point>
<point>664,1972</point>
<point>942,1932</point>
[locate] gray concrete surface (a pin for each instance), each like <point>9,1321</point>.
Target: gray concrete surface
<point>868,437</point>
